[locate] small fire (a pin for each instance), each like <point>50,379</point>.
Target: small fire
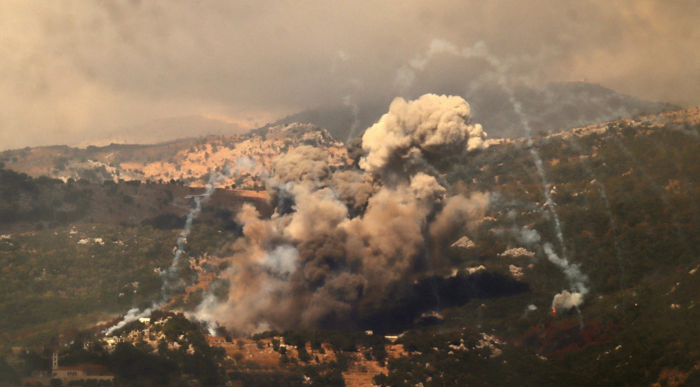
<point>554,312</point>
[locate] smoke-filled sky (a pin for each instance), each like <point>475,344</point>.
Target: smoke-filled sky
<point>71,69</point>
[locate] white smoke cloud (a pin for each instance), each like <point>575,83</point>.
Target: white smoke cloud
<point>430,125</point>
<point>528,236</point>
<point>131,316</point>
<point>567,300</point>
<point>170,277</point>
<point>282,260</point>
<point>246,164</point>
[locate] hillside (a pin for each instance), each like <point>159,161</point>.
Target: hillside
<point>241,160</point>
<point>35,204</point>
<point>556,107</point>
<point>625,196</point>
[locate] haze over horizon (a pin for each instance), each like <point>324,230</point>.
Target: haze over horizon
<point>73,69</point>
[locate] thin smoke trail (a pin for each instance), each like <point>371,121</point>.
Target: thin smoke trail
<point>170,276</point>
<point>348,101</point>
<point>573,274</point>
<point>572,271</point>
<point>171,279</point>
<point>616,244</point>
<point>405,77</point>
<point>517,108</point>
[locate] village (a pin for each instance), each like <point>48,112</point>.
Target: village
<point>267,353</point>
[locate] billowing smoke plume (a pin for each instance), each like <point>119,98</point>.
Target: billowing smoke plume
<point>343,244</point>
<point>414,131</point>
<point>566,300</point>
<point>349,102</point>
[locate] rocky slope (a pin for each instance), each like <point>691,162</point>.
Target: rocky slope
<point>241,160</point>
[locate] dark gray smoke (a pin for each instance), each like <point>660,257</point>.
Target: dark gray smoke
<point>347,242</point>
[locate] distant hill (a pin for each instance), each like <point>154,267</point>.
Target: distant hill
<point>555,107</point>
<point>190,160</point>
<point>166,129</point>
<point>27,202</point>
<point>551,107</point>
<point>340,120</point>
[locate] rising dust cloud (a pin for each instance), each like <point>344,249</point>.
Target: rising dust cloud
<point>341,245</point>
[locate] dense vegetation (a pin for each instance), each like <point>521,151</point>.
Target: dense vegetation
<point>50,278</point>
<point>41,200</point>
<point>627,201</point>
<point>139,364</point>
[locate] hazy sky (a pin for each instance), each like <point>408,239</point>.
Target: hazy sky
<point>70,68</point>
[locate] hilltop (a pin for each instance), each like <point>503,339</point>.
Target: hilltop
<point>551,107</point>
<point>556,107</point>
<point>242,159</point>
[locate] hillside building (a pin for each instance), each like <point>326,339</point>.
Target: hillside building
<point>80,372</point>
